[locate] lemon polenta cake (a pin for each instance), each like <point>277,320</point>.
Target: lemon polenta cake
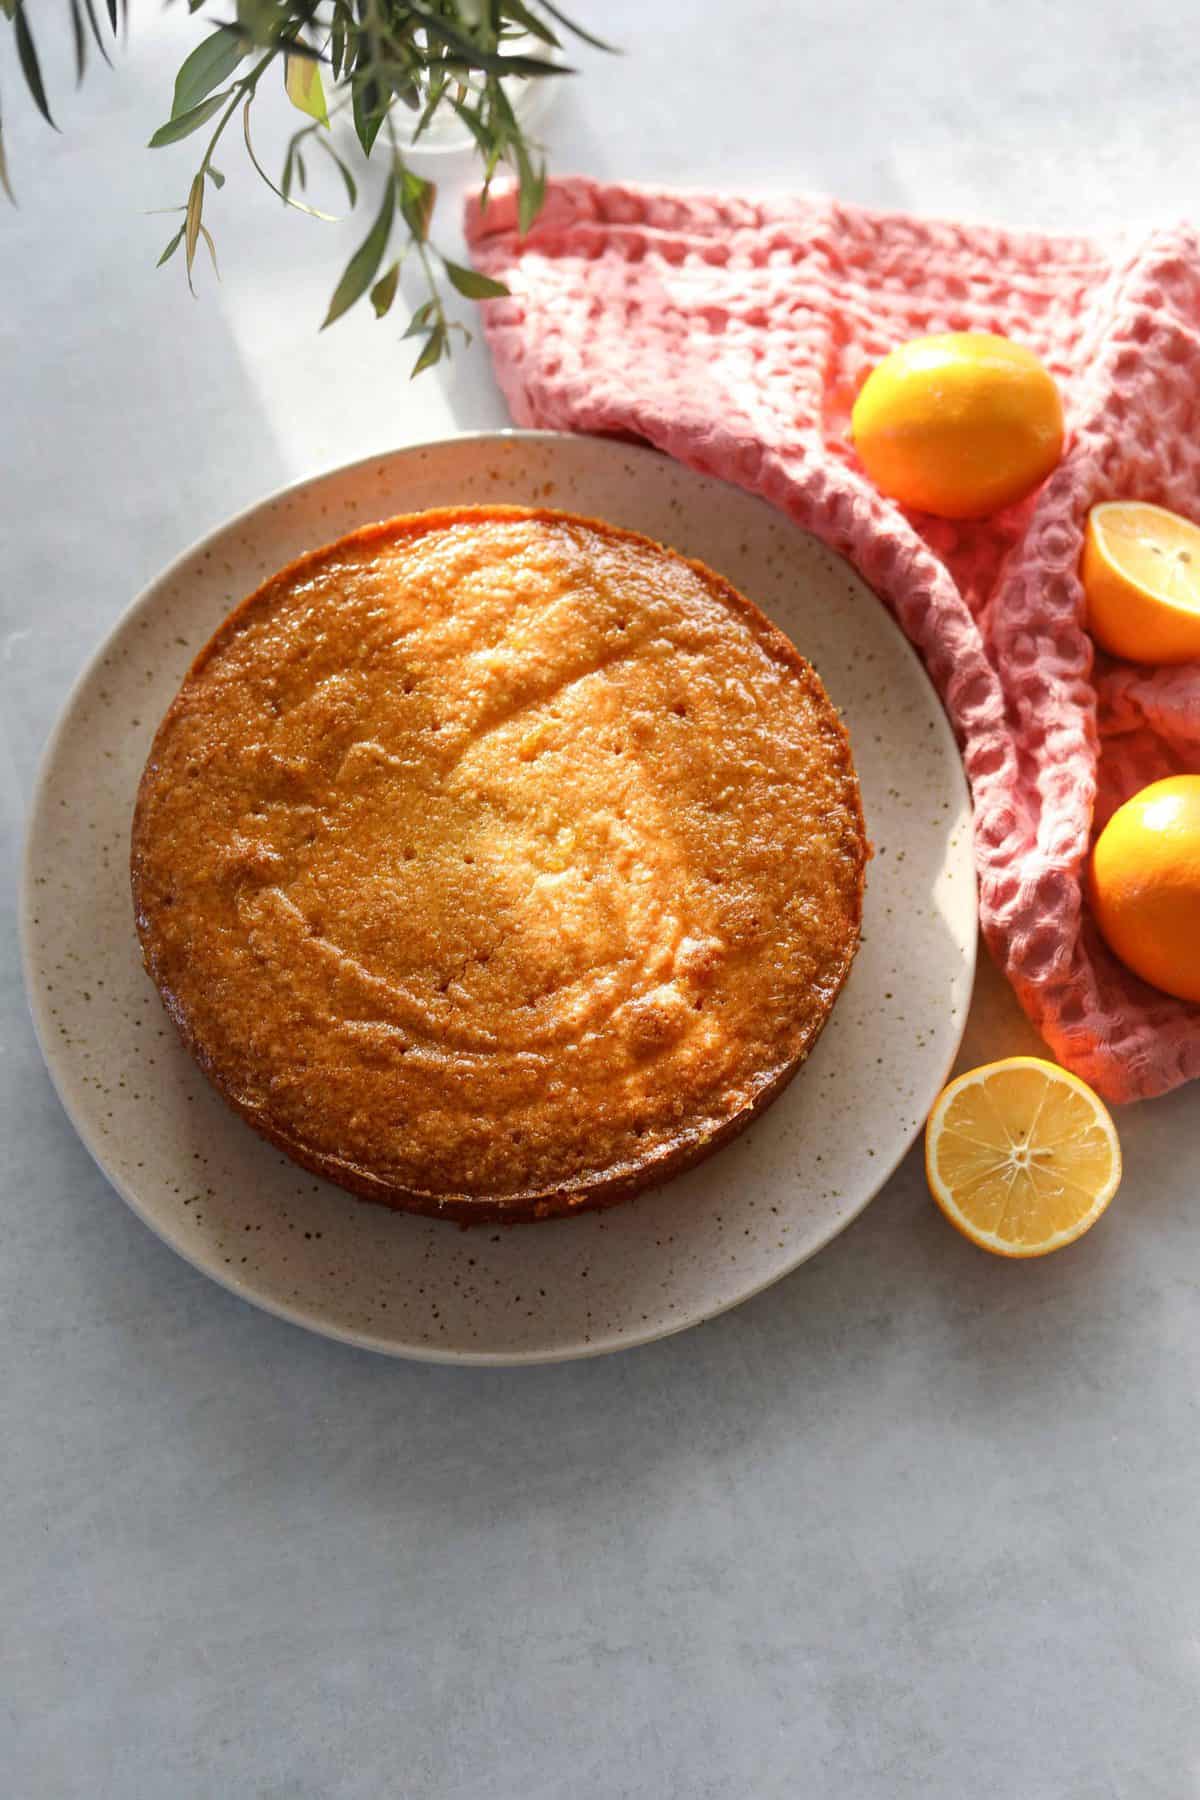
<point>496,863</point>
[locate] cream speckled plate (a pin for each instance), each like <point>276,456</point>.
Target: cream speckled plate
<point>300,1247</point>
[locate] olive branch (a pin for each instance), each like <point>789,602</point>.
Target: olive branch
<point>362,59</point>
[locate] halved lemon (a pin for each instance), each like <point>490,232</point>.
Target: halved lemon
<point>1141,575</point>
<point>1144,885</point>
<point>1021,1156</point>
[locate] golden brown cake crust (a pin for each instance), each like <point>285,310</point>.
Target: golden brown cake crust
<point>496,863</point>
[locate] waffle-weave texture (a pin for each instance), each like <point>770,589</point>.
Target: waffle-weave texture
<point>734,334</point>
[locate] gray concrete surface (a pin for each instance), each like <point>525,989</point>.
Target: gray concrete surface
<point>913,1523</point>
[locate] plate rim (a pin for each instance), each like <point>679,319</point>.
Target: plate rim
<point>301,1316</point>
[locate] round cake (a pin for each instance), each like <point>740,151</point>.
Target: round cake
<point>496,863</point>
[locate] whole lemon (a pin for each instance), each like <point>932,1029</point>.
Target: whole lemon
<point>960,425</point>
<point>1145,885</point>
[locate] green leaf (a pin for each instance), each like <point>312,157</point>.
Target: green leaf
<point>215,176</point>
<point>417,200</point>
<point>525,66</point>
<point>577,30</point>
<point>171,248</point>
<point>90,9</point>
<point>343,171</point>
<point>421,320</point>
<point>474,56</point>
<point>79,40</point>
<point>289,164</point>
<point>191,226</point>
<point>369,109</point>
<point>471,284</point>
<point>360,270</point>
<point>262,20</point>
<point>209,64</point>
<point>294,46</point>
<point>433,350</point>
<point>402,84</point>
<point>206,234</point>
<point>112,15</point>
<point>521,15</point>
<point>474,125</point>
<point>505,118</point>
<point>187,122</point>
<point>337,45</point>
<point>437,89</point>
<point>4,181</point>
<point>368,87</point>
<point>28,58</point>
<point>286,198</point>
<point>384,291</point>
<point>532,187</point>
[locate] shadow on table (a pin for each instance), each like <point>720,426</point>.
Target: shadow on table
<point>898,1324</point>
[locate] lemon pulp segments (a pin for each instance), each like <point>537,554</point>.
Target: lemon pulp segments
<point>1022,1156</point>
<point>1155,548</point>
<point>1141,576</point>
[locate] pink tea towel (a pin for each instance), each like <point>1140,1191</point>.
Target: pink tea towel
<point>734,334</point>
